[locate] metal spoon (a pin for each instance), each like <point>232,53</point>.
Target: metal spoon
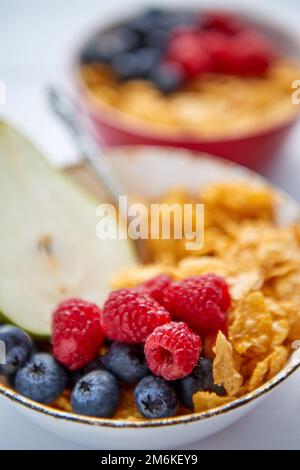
<point>65,108</point>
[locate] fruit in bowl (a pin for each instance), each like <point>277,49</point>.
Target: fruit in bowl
<point>203,80</point>
<point>170,343</point>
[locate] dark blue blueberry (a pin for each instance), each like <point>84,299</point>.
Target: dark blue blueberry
<point>157,38</point>
<point>147,59</point>
<point>156,398</point>
<point>18,347</point>
<point>137,64</point>
<point>201,379</point>
<point>96,364</point>
<point>180,20</point>
<point>105,47</point>
<point>96,394</point>
<point>126,362</point>
<point>125,65</point>
<point>168,78</point>
<point>146,21</point>
<point>42,379</point>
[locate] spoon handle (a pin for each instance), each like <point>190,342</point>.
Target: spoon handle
<point>68,112</point>
<point>66,109</point>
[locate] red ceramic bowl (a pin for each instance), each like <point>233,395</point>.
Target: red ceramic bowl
<point>253,149</point>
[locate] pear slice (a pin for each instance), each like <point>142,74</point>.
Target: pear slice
<point>48,245</point>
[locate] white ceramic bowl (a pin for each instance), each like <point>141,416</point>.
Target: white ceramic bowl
<point>150,172</point>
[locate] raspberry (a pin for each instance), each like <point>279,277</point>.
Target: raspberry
<point>172,350</point>
<point>220,283</point>
<point>246,54</point>
<point>223,21</point>
<point>209,343</point>
<point>76,333</point>
<point>156,287</point>
<point>186,50</point>
<point>200,301</point>
<point>129,316</point>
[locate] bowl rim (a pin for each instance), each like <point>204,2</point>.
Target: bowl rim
<point>126,123</point>
<point>155,423</point>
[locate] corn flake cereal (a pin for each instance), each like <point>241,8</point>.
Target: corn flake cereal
<point>204,401</point>
<point>251,329</point>
<point>268,367</point>
<point>224,371</point>
<point>209,106</point>
<point>260,261</point>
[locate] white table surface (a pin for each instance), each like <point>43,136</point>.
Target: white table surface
<point>35,41</point>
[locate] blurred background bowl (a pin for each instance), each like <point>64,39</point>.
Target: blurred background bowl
<point>254,149</point>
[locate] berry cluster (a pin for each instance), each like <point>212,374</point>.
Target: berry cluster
<point>152,336</point>
<point>171,48</point>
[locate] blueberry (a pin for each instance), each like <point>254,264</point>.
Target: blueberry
<point>125,65</point>
<point>147,59</point>
<point>42,379</point>
<point>155,397</point>
<point>76,375</point>
<point>201,379</point>
<point>168,78</point>
<point>180,20</point>
<point>137,64</point>
<point>126,362</point>
<point>106,46</point>
<point>96,394</point>
<point>146,21</point>
<point>18,347</point>
<point>157,38</point>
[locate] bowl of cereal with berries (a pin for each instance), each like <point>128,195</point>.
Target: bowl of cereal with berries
<point>213,81</point>
<point>110,352</point>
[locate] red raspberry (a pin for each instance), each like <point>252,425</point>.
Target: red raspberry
<point>172,350</point>
<point>214,42</point>
<point>76,333</point>
<point>156,287</point>
<point>223,21</point>
<point>200,301</point>
<point>247,54</point>
<point>209,343</point>
<point>220,283</point>
<point>186,50</point>
<point>130,316</point>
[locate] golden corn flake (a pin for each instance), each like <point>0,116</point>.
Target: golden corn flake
<point>241,200</point>
<point>196,266</point>
<point>259,374</point>
<point>281,329</point>
<point>278,360</point>
<point>244,283</point>
<point>287,287</point>
<point>63,402</point>
<point>294,322</point>
<point>208,106</point>
<point>127,408</point>
<point>278,309</point>
<point>248,365</point>
<point>278,251</point>
<point>268,367</point>
<point>204,401</point>
<point>224,370</point>
<point>251,330</point>
<point>135,275</point>
<point>261,264</point>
